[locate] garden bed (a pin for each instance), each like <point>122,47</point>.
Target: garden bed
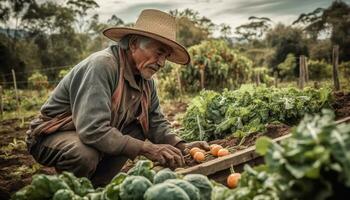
<point>17,166</point>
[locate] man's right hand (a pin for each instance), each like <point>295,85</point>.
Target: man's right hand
<point>165,154</point>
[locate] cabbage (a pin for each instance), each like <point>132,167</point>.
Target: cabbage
<point>143,168</point>
<point>166,191</point>
<point>190,189</point>
<point>134,187</point>
<point>202,183</point>
<point>163,175</point>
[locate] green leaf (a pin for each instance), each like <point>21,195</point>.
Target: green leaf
<point>262,145</point>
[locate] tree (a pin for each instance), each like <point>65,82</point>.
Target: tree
<point>225,31</point>
<point>192,29</point>
<point>288,68</point>
<point>253,30</point>
<point>80,8</point>
<point>285,40</point>
<point>334,19</point>
<point>115,21</point>
<point>4,11</point>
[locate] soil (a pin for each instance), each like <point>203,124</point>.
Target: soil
<point>17,166</point>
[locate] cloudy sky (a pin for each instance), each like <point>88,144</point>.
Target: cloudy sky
<point>232,12</point>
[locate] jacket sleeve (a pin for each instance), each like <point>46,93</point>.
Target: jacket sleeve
<point>159,128</point>
<point>91,89</point>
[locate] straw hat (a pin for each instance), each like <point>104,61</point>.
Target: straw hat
<point>157,25</point>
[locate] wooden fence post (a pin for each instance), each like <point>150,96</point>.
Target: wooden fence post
<point>306,70</point>
<point>301,72</point>
<point>16,92</point>
<point>179,82</point>
<point>1,103</point>
<point>201,71</point>
<point>335,59</point>
<point>275,79</point>
<point>257,78</point>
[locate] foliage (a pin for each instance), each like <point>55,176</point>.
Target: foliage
<point>285,40</point>
<point>38,81</point>
<point>334,19</point>
<point>45,186</point>
<point>288,68</point>
<point>164,175</point>
<point>263,75</point>
<point>253,30</point>
<point>123,186</point>
<point>321,50</point>
<point>202,183</point>
<point>168,82</point>
<point>312,164</point>
<point>63,73</point>
<point>29,100</point>
<point>143,168</point>
<point>212,115</point>
<point>191,28</point>
<point>319,70</point>
<point>165,191</point>
<point>223,67</point>
<point>344,69</point>
<point>133,187</point>
<point>190,189</point>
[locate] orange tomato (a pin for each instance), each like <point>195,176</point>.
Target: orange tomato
<point>212,146</point>
<point>199,156</point>
<point>214,151</point>
<point>223,152</point>
<point>233,179</point>
<point>195,150</point>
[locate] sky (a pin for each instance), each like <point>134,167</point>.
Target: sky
<point>231,12</point>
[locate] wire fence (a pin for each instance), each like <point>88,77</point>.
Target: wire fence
<point>29,73</point>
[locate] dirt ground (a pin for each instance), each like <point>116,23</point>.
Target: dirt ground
<point>17,166</point>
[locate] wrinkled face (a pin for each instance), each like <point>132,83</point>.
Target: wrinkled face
<point>149,57</point>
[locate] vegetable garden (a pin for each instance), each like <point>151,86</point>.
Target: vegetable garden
<point>273,103</point>
<point>244,128</point>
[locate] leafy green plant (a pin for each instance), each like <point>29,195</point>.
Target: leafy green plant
<point>319,70</point>
<point>314,163</point>
<point>213,115</point>
<point>14,145</point>
<point>38,81</point>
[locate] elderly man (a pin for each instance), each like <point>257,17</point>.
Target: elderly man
<point>104,109</point>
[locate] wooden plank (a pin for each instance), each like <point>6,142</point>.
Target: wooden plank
<point>225,162</point>
<point>346,119</point>
<point>238,158</point>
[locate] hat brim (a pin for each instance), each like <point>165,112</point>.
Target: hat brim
<point>179,54</point>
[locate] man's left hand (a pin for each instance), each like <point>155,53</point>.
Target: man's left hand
<point>186,147</point>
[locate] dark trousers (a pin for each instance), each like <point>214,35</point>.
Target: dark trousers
<point>64,151</point>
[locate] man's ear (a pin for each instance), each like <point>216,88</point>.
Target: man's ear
<point>133,43</point>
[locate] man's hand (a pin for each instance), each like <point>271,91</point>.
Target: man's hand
<point>165,154</point>
<point>186,147</point>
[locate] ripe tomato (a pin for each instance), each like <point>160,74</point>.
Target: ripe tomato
<point>199,156</point>
<point>195,150</point>
<point>223,152</point>
<point>233,179</point>
<point>214,151</point>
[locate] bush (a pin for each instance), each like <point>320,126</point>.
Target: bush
<point>319,70</point>
<point>224,67</point>
<point>288,67</point>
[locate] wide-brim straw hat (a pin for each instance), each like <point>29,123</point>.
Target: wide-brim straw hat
<point>157,25</point>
